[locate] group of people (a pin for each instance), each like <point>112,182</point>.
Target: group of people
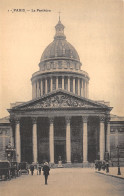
<point>45,170</point>
<point>104,165</point>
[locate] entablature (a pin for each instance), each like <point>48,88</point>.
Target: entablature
<point>69,73</point>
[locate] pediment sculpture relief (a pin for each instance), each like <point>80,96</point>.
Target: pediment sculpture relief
<point>59,101</point>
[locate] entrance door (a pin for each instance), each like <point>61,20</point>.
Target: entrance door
<point>59,151</point>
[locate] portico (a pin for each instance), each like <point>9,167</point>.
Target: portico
<point>60,124</point>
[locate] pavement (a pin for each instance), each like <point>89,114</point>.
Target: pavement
<point>113,172</point>
<point>64,182</point>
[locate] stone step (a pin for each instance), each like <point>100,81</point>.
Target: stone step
<point>73,165</point>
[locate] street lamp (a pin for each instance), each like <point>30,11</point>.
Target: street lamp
<point>119,172</point>
<point>10,152</point>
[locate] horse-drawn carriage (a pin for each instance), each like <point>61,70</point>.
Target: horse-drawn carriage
<point>15,170</point>
<point>23,166</point>
<point>5,170</point>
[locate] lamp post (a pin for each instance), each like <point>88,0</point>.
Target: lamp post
<point>119,172</point>
<point>10,152</point>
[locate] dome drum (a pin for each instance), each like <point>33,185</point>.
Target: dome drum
<point>60,64</point>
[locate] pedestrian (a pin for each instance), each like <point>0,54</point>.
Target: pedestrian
<point>107,167</point>
<point>46,170</point>
<point>32,169</point>
<point>96,164</point>
<point>39,168</point>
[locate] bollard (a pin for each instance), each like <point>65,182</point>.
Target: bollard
<point>119,171</point>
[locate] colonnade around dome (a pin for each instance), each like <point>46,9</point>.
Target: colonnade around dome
<point>72,84</point>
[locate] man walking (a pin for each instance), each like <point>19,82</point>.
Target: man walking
<point>46,170</point>
<point>32,169</point>
<point>39,169</point>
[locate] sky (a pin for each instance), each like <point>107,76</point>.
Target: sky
<point>94,27</point>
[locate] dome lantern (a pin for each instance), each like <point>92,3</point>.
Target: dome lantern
<point>59,31</point>
<point>60,48</point>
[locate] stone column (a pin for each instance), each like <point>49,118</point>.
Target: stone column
<point>63,82</point>
<point>102,138</point>
<point>79,86</point>
<point>85,140</point>
<point>33,86</point>
<point>82,89</point>
<point>51,140</point>
<point>57,85</point>
<point>87,89</point>
<point>18,140</point>
<point>51,84</point>
<point>69,84</point>
<point>41,87</point>
<point>68,140</point>
<point>108,137</point>
<point>37,88</point>
<point>11,132</point>
<point>74,85</point>
<point>34,139</point>
<point>46,90</point>
<point>11,136</point>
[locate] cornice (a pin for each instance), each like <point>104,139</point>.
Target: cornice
<point>41,75</point>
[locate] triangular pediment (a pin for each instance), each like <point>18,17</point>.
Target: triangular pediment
<point>59,99</point>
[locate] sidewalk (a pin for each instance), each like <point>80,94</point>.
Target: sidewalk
<point>113,172</point>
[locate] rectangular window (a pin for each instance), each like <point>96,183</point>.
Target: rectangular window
<point>60,64</point>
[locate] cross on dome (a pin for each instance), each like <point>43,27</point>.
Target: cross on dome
<point>59,15</point>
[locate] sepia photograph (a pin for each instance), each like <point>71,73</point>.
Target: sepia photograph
<point>62,97</point>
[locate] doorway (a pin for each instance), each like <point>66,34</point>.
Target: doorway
<point>59,139</point>
<point>59,152</point>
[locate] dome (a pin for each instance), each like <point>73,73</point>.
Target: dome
<point>60,48</point>
<point>60,68</point>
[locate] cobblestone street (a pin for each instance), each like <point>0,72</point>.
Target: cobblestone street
<point>64,182</point>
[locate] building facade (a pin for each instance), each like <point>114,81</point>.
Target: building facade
<point>5,136</point>
<point>61,120</point>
